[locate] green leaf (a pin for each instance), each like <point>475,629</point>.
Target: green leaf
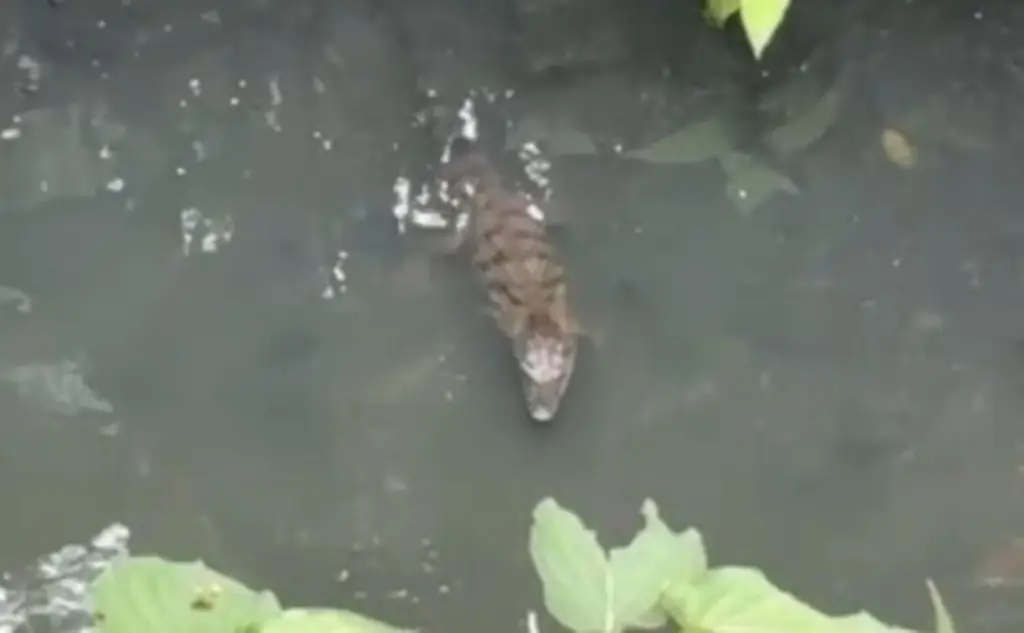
<point>741,599</point>
<point>656,558</point>
<point>718,11</point>
<point>572,568</point>
<point>808,126</point>
<point>761,18</point>
<point>152,595</point>
<point>943,621</point>
<point>751,183</point>
<point>326,621</point>
<point>733,599</point>
<point>694,143</point>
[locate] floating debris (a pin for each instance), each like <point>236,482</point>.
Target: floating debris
<point>898,149</point>
<point>212,232</point>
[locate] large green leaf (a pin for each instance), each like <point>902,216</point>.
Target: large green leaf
<point>326,621</point>
<point>572,568</point>
<point>151,595</point>
<point>589,592</point>
<point>656,558</point>
<point>761,18</point>
<point>808,126</point>
<point>694,143</point>
<point>741,599</point>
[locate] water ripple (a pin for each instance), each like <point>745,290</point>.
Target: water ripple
<point>51,593</point>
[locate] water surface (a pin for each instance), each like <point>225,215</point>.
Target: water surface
<point>827,387</point>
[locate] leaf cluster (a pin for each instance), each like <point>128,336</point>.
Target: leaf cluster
<point>660,577</point>
<point>663,576</point>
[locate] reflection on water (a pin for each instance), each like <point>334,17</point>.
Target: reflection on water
<point>50,594</point>
<point>197,230</point>
<point>59,388</point>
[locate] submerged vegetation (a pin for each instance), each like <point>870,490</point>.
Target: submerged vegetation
<point>661,577</point>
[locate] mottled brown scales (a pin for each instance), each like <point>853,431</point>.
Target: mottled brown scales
<point>524,279</point>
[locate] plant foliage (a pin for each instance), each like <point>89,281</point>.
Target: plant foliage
<point>661,576</point>
<point>760,18</point>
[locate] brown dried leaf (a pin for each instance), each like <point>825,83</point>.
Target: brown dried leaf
<point>898,149</point>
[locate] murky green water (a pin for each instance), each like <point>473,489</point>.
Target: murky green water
<point>826,387</point>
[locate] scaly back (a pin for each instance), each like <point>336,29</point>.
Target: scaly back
<point>524,279</point>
